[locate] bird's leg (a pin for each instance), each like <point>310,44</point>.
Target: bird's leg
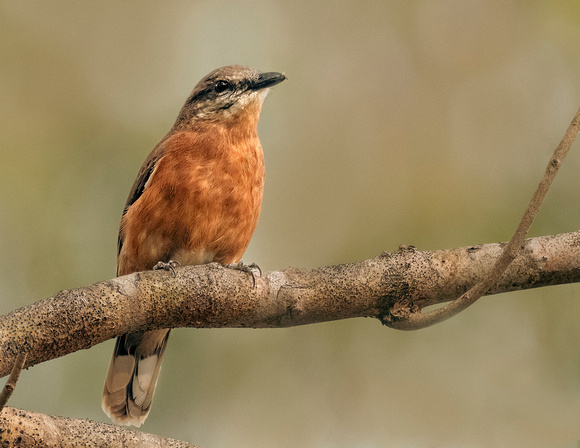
<point>169,266</point>
<point>251,269</point>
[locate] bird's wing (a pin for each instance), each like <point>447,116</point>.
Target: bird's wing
<point>141,182</point>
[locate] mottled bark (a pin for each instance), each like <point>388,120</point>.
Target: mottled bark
<point>387,287</point>
<point>30,429</point>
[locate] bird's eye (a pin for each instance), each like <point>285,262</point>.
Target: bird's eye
<point>221,86</point>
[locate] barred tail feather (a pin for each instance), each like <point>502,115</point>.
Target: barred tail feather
<point>132,376</point>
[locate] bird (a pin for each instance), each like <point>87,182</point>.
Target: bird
<point>196,200</point>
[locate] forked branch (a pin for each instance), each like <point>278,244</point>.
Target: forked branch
<point>416,320</point>
<point>389,285</point>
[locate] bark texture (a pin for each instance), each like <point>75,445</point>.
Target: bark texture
<point>29,429</point>
<point>386,287</point>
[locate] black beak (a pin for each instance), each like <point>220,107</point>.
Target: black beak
<point>266,80</point>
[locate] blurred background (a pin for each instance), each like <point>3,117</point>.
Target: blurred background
<point>402,122</point>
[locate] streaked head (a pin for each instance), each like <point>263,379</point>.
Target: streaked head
<point>226,92</point>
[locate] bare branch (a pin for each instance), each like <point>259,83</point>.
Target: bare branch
<point>417,320</point>
<point>12,380</point>
<point>31,429</point>
<point>387,287</point>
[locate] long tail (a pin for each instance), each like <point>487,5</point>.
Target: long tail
<point>132,376</point>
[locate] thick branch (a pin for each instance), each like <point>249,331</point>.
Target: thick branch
<point>30,429</point>
<point>386,287</point>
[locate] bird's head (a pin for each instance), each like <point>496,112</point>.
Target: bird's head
<point>226,93</point>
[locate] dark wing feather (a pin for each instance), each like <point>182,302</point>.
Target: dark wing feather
<point>139,185</point>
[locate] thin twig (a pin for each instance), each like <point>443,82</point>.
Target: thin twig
<point>417,320</point>
<point>12,379</point>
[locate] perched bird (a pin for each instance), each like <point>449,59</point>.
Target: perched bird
<point>196,200</point>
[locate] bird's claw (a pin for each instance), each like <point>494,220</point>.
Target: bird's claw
<point>169,266</point>
<point>252,269</point>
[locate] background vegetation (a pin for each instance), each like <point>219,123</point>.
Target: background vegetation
<point>417,122</point>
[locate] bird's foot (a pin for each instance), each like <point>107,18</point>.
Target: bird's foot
<point>169,266</point>
<point>252,269</point>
